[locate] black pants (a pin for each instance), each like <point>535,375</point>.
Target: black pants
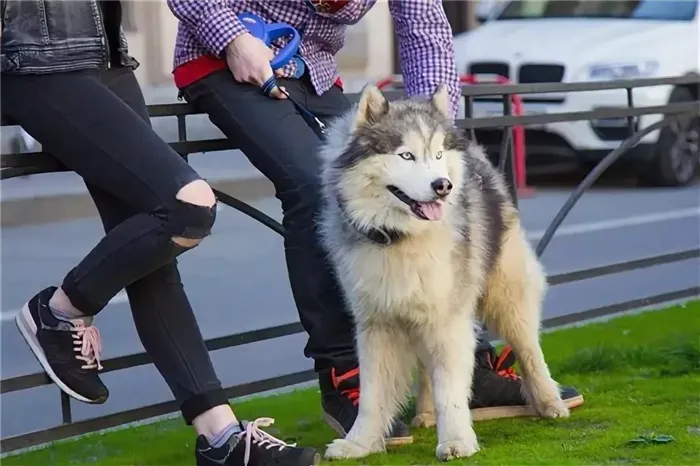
<point>96,123</point>
<point>282,144</point>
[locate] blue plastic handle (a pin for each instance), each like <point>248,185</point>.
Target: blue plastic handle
<point>268,33</point>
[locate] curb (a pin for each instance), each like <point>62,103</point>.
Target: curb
<point>48,209</point>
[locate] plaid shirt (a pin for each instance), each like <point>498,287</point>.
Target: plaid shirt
<point>424,36</point>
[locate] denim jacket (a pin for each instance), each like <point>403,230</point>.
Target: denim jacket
<point>52,36</point>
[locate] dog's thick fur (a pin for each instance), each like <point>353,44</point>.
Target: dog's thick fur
<point>416,286</point>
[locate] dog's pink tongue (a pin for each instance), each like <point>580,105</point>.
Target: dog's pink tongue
<point>432,210</point>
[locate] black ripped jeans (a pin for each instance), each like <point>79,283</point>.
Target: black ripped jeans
<point>96,123</point>
<point>282,144</point>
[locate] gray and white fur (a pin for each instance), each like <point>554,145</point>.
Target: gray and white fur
<point>425,240</point>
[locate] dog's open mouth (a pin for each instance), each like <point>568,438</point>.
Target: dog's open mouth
<point>430,210</point>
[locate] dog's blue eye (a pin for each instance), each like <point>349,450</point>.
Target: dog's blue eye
<point>407,156</point>
<point>438,156</point>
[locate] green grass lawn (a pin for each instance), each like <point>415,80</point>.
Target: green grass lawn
<point>640,376</point>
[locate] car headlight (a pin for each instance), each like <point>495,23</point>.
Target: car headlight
<point>612,71</point>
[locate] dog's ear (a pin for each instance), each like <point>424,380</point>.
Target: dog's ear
<point>373,105</point>
<point>441,101</point>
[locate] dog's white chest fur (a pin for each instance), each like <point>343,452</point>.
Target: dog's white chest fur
<point>411,280</point>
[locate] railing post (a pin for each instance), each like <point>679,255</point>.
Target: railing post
<point>506,158</point>
<point>631,126</point>
<point>469,113</point>
<point>182,132</point>
<point>66,414</point>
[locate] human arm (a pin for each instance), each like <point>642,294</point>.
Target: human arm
<point>426,48</point>
<point>213,22</point>
<point>216,26</point>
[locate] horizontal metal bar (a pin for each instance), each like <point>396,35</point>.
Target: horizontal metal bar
<point>31,159</point>
<point>611,269</point>
<point>207,145</point>
<point>42,162</point>
<point>549,88</point>
<point>41,159</point>
<point>24,382</point>
<point>179,109</point>
<point>597,114</point>
<point>693,292</point>
<point>175,109</point>
<point>138,414</point>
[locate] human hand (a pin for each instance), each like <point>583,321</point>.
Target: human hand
<point>248,59</point>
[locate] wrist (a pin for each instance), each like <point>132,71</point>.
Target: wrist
<point>233,44</point>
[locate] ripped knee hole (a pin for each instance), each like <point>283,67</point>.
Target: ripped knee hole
<point>191,223</point>
<point>197,192</point>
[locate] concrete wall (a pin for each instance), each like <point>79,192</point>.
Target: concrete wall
<point>151,29</point>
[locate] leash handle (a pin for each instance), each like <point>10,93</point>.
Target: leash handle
<point>269,33</point>
<point>286,53</point>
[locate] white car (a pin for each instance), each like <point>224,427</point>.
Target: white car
<point>532,41</point>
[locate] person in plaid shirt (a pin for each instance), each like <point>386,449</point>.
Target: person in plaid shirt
<point>220,68</point>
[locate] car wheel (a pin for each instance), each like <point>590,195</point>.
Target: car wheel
<point>677,154</point>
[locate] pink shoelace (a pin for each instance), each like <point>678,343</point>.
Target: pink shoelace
<point>87,343</point>
<point>254,435</point>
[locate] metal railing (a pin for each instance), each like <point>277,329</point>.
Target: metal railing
<point>14,165</point>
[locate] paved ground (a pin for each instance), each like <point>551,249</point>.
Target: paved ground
<point>237,282</point>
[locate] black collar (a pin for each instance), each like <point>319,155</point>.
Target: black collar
<point>380,236</point>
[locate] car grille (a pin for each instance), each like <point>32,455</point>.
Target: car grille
<point>537,73</point>
<point>499,68</point>
<point>528,73</point>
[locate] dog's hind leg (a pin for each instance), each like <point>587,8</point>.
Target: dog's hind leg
<point>386,367</point>
<point>512,306</point>
<point>450,346</point>
<point>425,409</point>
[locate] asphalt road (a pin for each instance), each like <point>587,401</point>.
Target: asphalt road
<point>237,282</point>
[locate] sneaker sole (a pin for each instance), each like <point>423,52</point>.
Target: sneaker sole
<point>27,327</point>
<point>389,441</point>
<point>316,460</point>
<point>499,412</point>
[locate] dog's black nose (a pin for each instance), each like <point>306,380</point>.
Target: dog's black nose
<point>441,186</point>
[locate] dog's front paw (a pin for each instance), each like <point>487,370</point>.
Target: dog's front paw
<point>459,448</point>
<point>423,420</point>
<point>547,400</point>
<point>553,409</point>
<point>343,448</point>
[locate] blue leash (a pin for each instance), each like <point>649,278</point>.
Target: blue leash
<point>271,83</point>
<point>268,33</point>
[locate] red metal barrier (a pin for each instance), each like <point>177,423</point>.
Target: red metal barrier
<point>518,131</point>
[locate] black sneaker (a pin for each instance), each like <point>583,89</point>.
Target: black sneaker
<point>69,351</point>
<point>254,447</point>
<point>340,397</point>
<point>496,390</point>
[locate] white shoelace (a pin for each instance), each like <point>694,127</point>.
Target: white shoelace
<point>87,343</point>
<point>254,435</point>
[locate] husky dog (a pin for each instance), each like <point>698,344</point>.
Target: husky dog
<point>425,239</point>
